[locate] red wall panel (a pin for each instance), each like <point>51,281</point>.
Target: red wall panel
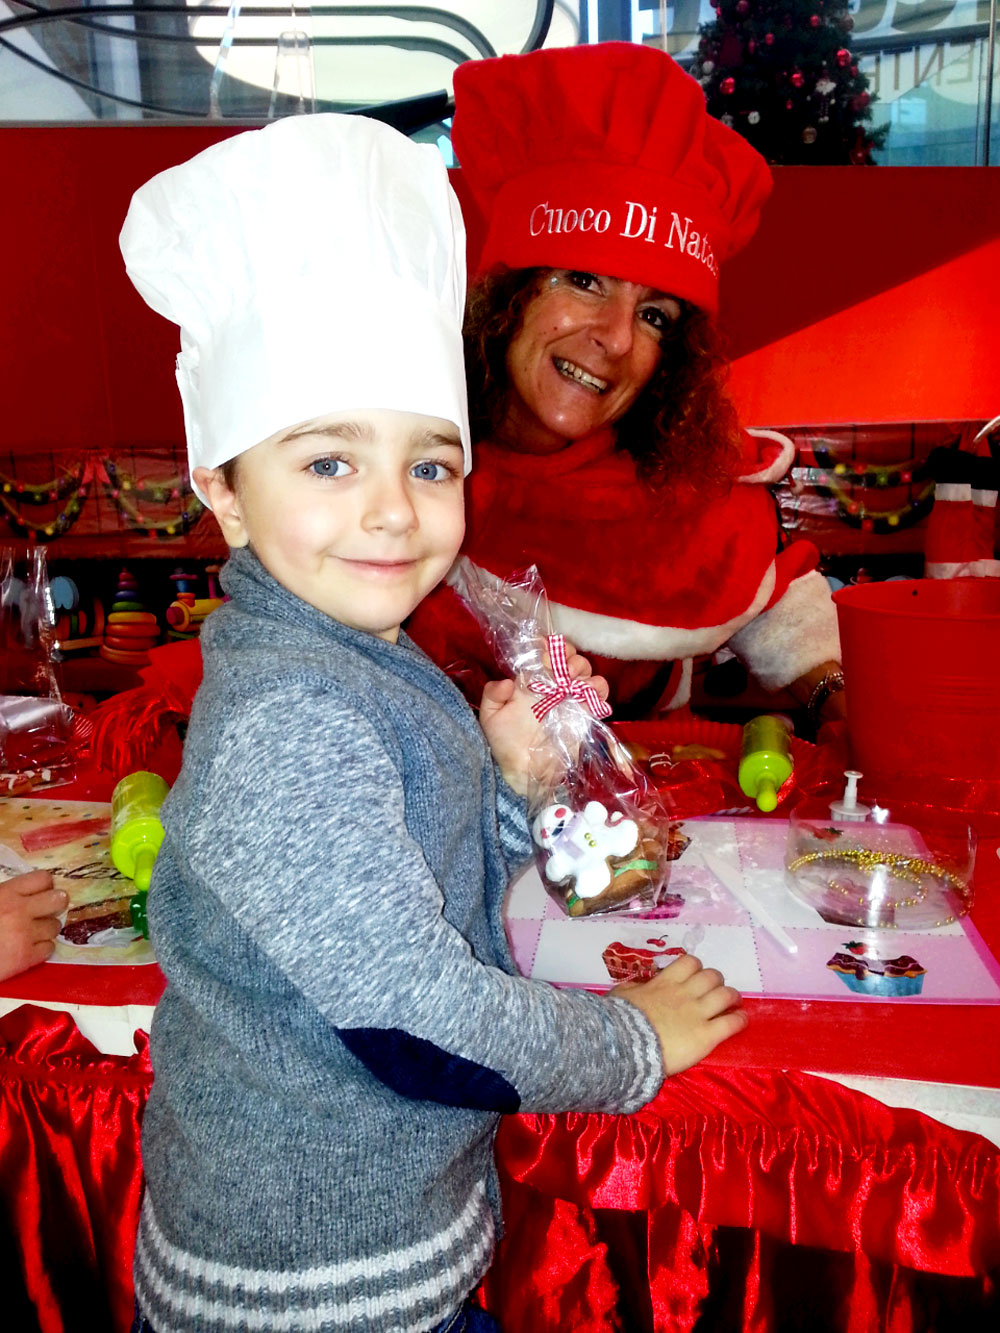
<point>867,294</point>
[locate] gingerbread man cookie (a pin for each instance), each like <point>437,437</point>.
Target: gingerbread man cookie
<point>581,843</point>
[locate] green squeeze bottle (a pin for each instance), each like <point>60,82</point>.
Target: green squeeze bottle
<point>136,834</point>
<point>766,761</point>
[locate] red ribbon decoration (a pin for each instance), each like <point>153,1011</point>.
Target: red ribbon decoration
<point>563,686</point>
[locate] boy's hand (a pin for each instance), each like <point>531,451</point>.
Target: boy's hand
<point>512,729</point>
<point>691,1009</point>
<point>29,921</point>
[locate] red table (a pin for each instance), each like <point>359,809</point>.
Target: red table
<point>747,1196</point>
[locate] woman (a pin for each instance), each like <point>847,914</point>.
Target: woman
<point>608,453</point>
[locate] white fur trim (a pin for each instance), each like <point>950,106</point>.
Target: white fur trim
<point>967,569</point>
<point>635,641</point>
<point>776,470</point>
<point>798,633</point>
<point>959,492</point>
<point>682,695</point>
<point>630,640</point>
<point>985,499</point>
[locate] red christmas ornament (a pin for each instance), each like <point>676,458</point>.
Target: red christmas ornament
<point>742,7</point>
<point>906,478</point>
<point>797,79</point>
<point>861,101</point>
<point>854,71</point>
<point>843,57</point>
<point>814,20</point>
<point>727,86</point>
<point>789,104</point>
<point>751,46</point>
<point>769,39</point>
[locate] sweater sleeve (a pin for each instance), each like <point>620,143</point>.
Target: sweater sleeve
<point>512,819</point>
<point>282,840</point>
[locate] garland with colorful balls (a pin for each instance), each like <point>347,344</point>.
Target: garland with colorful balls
<point>124,491</point>
<point>41,493</point>
<point>819,459</point>
<point>880,475</point>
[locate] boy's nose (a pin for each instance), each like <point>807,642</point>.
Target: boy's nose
<point>389,508</point>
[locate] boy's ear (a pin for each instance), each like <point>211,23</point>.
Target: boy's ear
<point>224,504</point>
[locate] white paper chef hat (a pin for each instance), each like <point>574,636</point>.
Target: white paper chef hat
<point>314,266</point>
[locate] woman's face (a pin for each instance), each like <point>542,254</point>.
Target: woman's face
<point>587,348</point>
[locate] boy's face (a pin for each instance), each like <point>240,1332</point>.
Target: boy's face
<point>359,513</point>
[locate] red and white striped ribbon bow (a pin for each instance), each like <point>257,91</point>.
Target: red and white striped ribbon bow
<point>563,686</point>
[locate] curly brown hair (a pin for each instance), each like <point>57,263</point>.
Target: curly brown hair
<point>682,430</point>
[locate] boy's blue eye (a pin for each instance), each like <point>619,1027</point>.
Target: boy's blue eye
<point>328,467</point>
<point>428,471</point>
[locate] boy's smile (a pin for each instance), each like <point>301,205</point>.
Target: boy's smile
<point>360,514</point>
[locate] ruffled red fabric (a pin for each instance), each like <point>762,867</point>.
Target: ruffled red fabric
<point>746,1199</point>
<point>70,1175</point>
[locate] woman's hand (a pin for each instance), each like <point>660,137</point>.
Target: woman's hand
<point>29,921</point>
<point>514,733</point>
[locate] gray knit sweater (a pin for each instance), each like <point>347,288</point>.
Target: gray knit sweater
<point>341,1026</point>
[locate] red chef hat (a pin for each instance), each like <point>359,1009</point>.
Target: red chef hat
<point>604,158</point>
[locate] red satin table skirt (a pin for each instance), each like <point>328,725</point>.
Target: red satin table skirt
<point>739,1200</point>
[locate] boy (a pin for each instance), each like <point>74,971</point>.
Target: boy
<point>341,1026</point>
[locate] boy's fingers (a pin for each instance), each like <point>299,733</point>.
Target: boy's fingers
<point>721,1000</point>
<point>680,970</point>
<point>599,684</point>
<point>728,1025</point>
<point>705,981</point>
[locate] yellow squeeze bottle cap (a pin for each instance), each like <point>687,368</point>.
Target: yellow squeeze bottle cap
<point>766,796</point>
<point>145,859</point>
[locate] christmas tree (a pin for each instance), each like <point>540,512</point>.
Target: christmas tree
<point>781,73</point>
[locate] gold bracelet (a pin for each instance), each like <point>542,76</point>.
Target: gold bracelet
<point>907,868</point>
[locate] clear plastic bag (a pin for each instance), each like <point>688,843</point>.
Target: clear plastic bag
<point>601,830</point>
<point>37,729</point>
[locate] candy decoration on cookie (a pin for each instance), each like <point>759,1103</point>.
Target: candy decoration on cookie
<point>580,843</point>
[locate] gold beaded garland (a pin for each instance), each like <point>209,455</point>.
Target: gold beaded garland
<point>907,868</point>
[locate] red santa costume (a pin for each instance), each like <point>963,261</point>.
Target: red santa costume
<point>639,587</point>
<point>603,159</point>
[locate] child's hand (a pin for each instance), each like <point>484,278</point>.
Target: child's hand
<point>29,921</point>
<point>512,729</point>
<point>690,1008</point>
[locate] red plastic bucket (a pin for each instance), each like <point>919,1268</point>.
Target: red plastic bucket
<point>922,676</point>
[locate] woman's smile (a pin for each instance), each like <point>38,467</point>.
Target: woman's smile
<point>579,375</point>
